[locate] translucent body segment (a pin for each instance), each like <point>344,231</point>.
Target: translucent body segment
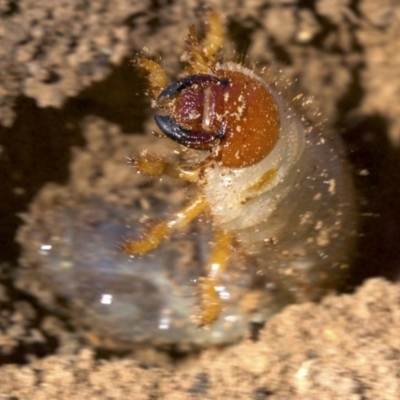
<point>119,302</point>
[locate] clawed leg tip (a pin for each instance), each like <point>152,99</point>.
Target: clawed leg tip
<point>127,247</point>
<point>123,246</point>
<point>131,160</point>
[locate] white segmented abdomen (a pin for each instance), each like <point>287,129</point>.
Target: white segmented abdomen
<point>299,226</point>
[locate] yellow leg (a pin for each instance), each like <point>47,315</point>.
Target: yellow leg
<point>163,229</point>
<point>261,183</point>
<point>214,38</point>
<point>209,300</point>
<point>202,55</point>
<point>154,165</point>
<point>157,77</point>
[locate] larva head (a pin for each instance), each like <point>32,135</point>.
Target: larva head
<point>229,112</point>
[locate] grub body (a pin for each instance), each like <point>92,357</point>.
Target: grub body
<point>273,183</point>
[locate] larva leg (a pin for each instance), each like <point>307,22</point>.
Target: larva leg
<point>214,38</point>
<point>155,165</point>
<point>164,228</point>
<point>209,300</point>
<point>202,55</point>
<point>157,78</point>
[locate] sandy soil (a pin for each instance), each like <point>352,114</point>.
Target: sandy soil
<point>61,64</point>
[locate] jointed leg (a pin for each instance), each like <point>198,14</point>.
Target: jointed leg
<point>209,300</point>
<point>164,228</point>
<point>214,38</point>
<point>157,77</point>
<point>155,165</point>
<point>202,54</point>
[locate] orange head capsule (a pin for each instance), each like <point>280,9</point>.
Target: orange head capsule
<point>230,113</point>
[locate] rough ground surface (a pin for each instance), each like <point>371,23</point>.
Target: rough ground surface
<point>345,348</point>
<point>344,53</point>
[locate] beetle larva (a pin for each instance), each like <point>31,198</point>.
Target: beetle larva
<point>275,188</point>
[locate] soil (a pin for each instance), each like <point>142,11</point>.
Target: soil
<point>66,73</point>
